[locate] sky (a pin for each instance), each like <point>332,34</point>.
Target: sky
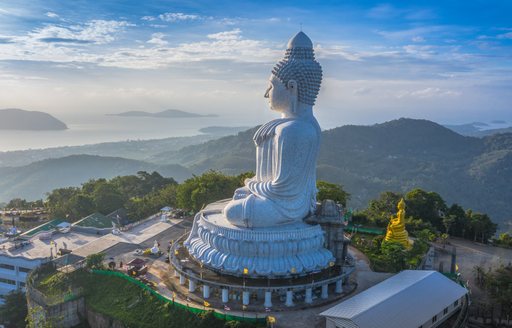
<point>447,61</point>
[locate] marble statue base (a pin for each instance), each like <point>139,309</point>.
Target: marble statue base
<point>277,251</point>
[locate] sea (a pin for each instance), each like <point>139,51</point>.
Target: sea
<point>100,128</point>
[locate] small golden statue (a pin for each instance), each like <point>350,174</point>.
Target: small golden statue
<point>396,228</point>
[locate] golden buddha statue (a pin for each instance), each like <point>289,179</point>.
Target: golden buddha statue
<point>396,228</point>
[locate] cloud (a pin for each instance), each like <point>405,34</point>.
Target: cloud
<point>418,39</point>
<point>6,40</point>
<point>157,39</point>
<point>94,31</point>
<point>178,17</point>
<point>64,40</point>
<point>337,51</point>
<point>227,35</point>
<point>505,36</point>
<point>383,11</point>
<point>51,14</point>
<point>430,92</point>
<point>148,18</point>
<point>387,11</point>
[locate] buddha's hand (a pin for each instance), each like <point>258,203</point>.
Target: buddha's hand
<point>241,193</point>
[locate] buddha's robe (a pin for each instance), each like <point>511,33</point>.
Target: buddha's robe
<point>284,187</point>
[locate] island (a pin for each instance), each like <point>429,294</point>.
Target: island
<point>169,113</point>
<point>19,119</point>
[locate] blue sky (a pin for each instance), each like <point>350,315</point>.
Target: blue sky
<point>448,61</point>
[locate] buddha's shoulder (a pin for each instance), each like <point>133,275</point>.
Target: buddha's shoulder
<point>298,127</point>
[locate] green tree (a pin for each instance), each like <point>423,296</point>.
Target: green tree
<point>107,198</point>
<point>427,206</point>
<point>18,203</point>
<point>198,191</point>
<point>327,190</point>
<point>14,310</point>
<point>57,201</point>
<point>381,209</point>
<point>95,261</point>
<point>481,226</point>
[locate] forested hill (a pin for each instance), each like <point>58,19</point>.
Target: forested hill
<point>396,155</point>
<point>34,180</point>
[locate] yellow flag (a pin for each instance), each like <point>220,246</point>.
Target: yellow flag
<point>456,267</point>
<point>206,304</point>
<point>271,319</point>
<point>246,271</point>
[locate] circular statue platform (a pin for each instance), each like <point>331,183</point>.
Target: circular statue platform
<point>312,289</point>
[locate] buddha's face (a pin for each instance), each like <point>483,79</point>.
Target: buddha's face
<point>280,98</point>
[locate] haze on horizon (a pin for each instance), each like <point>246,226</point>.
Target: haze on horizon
<point>448,62</point>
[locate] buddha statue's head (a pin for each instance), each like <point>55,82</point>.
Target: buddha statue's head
<point>295,80</point>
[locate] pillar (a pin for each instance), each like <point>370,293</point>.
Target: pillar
<point>225,295</point>
<point>206,291</point>
<point>268,299</point>
<point>183,280</point>
<point>339,286</point>
<point>289,298</point>
<point>325,291</point>
<point>309,296</point>
<point>191,285</point>
<point>246,297</point>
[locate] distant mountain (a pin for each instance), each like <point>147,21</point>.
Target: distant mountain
<point>223,130</point>
<point>34,180</point>
<point>479,129</point>
<point>398,155</point>
<point>18,119</point>
<point>170,113</point>
<point>132,149</point>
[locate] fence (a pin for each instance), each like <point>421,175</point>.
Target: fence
<point>219,315</point>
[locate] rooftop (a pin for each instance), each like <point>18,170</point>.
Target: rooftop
<point>95,220</point>
<point>408,299</point>
<point>48,226</point>
<point>39,249</point>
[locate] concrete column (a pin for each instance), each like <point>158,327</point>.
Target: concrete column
<point>183,280</point>
<point>268,299</point>
<point>206,291</point>
<point>191,285</point>
<point>339,287</point>
<point>309,296</point>
<point>325,291</point>
<point>289,298</point>
<point>246,297</point>
<point>225,295</point>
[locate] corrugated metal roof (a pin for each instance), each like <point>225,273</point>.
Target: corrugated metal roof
<point>408,299</point>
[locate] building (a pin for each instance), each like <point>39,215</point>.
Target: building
<point>411,299</point>
<point>36,246</point>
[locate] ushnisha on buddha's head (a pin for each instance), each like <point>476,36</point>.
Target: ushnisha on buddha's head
<point>295,80</point>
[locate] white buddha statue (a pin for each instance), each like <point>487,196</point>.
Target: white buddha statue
<point>261,231</point>
<point>284,187</point>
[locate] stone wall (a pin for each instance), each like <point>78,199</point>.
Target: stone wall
<point>99,320</point>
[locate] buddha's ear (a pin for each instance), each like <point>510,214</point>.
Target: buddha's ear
<point>292,86</point>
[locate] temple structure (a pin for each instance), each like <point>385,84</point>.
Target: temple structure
<point>396,228</point>
<point>267,240</point>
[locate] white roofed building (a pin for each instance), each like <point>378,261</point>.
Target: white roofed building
<point>409,299</point>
